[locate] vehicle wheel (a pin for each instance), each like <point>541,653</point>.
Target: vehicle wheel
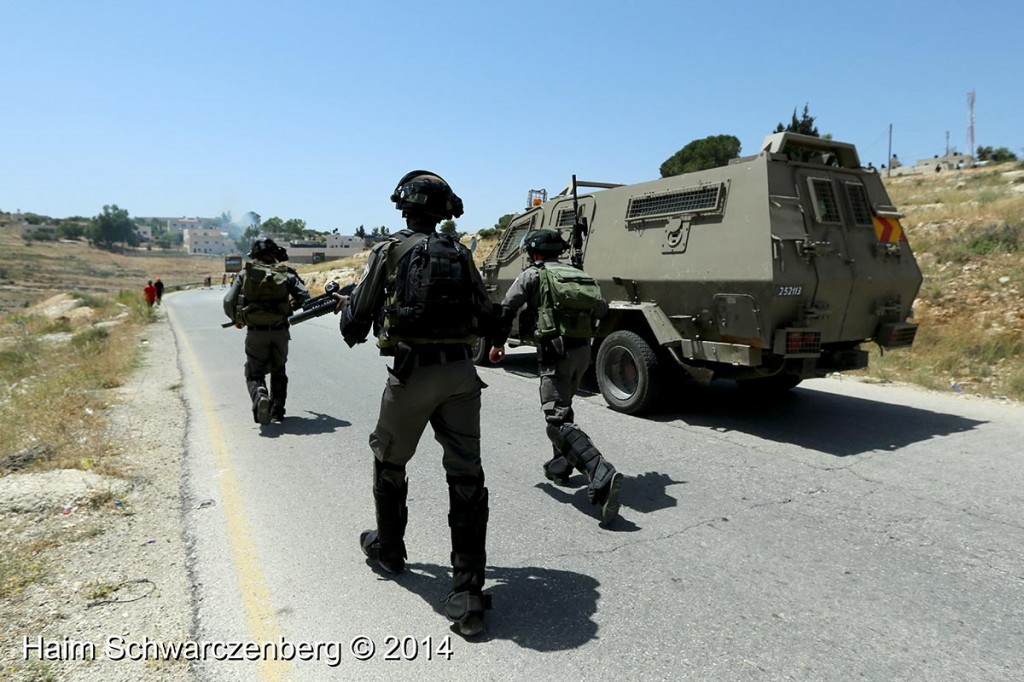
<point>777,383</point>
<point>626,366</point>
<point>480,351</point>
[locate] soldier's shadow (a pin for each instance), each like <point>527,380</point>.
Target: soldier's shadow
<point>645,493</point>
<point>537,608</point>
<point>317,424</point>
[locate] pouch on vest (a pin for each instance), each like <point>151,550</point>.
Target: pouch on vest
<point>429,293</point>
<point>568,297</point>
<point>265,289</point>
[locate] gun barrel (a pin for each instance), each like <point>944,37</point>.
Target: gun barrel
<point>316,310</point>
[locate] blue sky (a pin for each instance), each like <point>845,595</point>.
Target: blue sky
<point>314,109</point>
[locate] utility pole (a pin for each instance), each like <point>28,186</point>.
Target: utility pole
<point>888,166</point>
<point>970,123</point>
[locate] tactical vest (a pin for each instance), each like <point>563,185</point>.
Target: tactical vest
<point>265,294</point>
<point>566,302</point>
<point>428,292</point>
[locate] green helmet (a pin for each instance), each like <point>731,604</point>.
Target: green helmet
<point>545,242</point>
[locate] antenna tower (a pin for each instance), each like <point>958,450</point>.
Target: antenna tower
<point>970,123</point>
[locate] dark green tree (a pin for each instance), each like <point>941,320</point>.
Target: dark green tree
<point>803,125</point>
<point>360,232</point>
<point>448,227</point>
<point>113,226</point>
<point>997,155</point>
<point>709,152</point>
<point>503,221</point>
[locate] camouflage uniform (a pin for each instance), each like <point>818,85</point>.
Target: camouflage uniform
<point>561,365</point>
<point>266,347</point>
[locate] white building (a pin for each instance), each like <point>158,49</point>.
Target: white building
<point>336,247</point>
<point>207,242</point>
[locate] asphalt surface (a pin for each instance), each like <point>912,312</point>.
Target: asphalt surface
<point>843,531</point>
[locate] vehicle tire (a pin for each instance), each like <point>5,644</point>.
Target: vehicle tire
<point>626,367</point>
<point>480,351</point>
<point>776,383</point>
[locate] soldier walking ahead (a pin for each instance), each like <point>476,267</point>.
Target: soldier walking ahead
<point>260,299</point>
<point>562,304</point>
<point>425,300</point>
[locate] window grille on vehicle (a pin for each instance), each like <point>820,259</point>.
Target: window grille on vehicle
<point>566,218</point>
<point>704,198</point>
<point>859,203</point>
<point>825,200</point>
<point>513,238</point>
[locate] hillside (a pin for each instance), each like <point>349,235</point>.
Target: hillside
<point>967,229</point>
<point>32,271</point>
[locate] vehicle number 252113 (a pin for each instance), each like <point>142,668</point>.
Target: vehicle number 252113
<point>790,291</point>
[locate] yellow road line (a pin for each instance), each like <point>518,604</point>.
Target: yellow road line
<point>260,622</point>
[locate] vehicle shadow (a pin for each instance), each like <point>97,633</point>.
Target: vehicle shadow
<point>537,608</point>
<point>833,424</point>
<point>304,426</point>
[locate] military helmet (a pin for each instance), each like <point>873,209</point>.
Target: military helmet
<point>262,248</point>
<point>422,191</point>
<point>545,242</point>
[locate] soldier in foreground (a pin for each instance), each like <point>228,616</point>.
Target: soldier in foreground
<point>424,299</point>
<point>560,319</point>
<point>260,299</point>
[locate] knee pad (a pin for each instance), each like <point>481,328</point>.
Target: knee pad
<point>575,445</point>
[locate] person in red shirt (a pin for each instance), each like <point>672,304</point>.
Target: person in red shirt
<point>149,291</point>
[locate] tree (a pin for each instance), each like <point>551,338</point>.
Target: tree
<point>709,152</point>
<point>112,226</point>
<point>997,155</point>
<point>448,227</point>
<point>361,232</point>
<point>293,227</point>
<point>804,125</point>
<point>503,221</point>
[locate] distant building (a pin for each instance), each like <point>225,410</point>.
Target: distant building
<point>335,247</point>
<point>206,242</point>
<point>951,161</point>
<point>25,229</point>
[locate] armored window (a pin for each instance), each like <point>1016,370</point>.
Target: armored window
<point>566,218</point>
<point>825,207</point>
<point>701,199</point>
<point>514,237</point>
<point>859,203</point>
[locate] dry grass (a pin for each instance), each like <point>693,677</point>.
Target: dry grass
<point>967,230</point>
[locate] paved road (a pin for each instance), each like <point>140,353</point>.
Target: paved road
<point>844,531</point>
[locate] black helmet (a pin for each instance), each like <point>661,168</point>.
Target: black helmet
<point>421,191</point>
<point>545,242</point>
<point>262,248</point>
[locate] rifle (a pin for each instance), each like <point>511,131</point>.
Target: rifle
<point>322,304</point>
<point>579,229</point>
<point>318,305</point>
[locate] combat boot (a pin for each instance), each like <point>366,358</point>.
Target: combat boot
<point>580,451</point>
<point>386,544</point>
<point>557,470</point>
<point>467,517</point>
<point>261,407</point>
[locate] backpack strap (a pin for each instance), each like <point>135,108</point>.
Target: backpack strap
<point>397,252</point>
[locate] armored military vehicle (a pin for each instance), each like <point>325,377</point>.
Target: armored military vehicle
<point>775,268</point>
